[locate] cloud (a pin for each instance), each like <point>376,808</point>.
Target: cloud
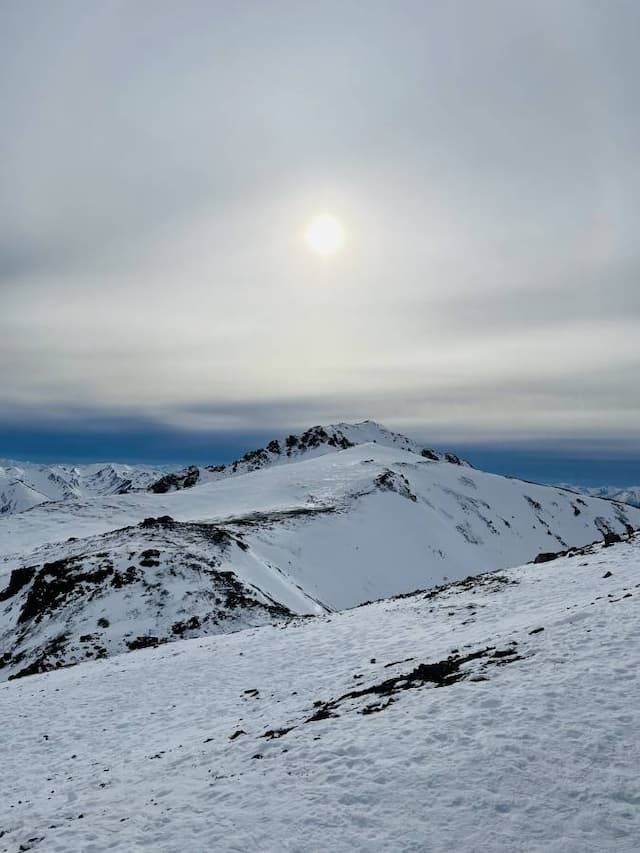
<point>159,164</point>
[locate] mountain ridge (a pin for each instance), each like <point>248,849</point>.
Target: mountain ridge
<point>315,441</point>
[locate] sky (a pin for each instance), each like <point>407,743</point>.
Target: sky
<point>160,161</point>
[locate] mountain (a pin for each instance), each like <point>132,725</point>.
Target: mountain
<point>24,485</point>
<point>628,495</point>
<point>493,714</point>
<point>18,496</point>
<point>328,529</point>
<point>316,441</point>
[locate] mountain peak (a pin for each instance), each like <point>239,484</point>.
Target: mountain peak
<point>318,440</point>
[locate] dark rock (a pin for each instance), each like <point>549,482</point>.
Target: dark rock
<point>144,643</point>
<point>49,658</point>
<point>390,481</point>
<point>18,579</point>
<point>180,480</point>
<point>129,576</point>
<point>276,733</point>
<point>189,625</point>
<point>150,558</point>
<point>441,674</point>
<point>161,521</point>
<point>429,454</point>
<point>546,557</point>
<point>55,583</point>
<point>452,459</point>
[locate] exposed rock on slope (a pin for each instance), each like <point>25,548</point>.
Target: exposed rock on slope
<point>130,589</point>
<point>176,480</point>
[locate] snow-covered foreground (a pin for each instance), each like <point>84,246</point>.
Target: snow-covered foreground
<point>499,714</point>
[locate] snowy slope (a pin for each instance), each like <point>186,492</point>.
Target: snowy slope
<point>18,496</point>
<point>24,485</point>
<point>498,714</point>
<point>315,535</point>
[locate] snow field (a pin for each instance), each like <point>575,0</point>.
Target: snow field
<point>138,752</point>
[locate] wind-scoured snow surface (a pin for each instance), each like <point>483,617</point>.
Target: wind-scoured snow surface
<point>497,714</point>
<point>93,577</point>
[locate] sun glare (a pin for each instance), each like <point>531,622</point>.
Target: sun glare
<point>324,235</point>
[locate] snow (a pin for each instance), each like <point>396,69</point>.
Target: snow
<point>137,752</point>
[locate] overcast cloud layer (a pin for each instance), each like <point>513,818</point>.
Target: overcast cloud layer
<point>159,161</point>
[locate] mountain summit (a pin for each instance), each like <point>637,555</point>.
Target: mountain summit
<point>316,441</point>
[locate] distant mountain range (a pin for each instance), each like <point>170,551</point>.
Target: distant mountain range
<point>24,485</point>
<point>628,495</point>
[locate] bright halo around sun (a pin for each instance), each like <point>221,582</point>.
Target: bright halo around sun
<point>325,235</point>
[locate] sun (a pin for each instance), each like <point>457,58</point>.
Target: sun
<point>324,234</point>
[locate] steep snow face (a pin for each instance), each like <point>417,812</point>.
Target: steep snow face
<point>316,441</point>
<point>24,485</point>
<point>497,714</point>
<point>319,534</point>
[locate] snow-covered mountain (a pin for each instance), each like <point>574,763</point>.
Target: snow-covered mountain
<point>330,529</point>
<point>316,441</point>
<point>628,495</point>
<point>495,714</point>
<point>24,485</point>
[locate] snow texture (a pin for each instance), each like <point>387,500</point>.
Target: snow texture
<point>495,714</point>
